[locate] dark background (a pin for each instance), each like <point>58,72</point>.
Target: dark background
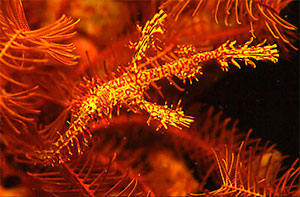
<point>265,98</point>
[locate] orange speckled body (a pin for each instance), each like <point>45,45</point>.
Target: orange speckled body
<point>129,88</point>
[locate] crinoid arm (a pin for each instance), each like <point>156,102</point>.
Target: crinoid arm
<point>21,48</point>
<point>94,175</point>
<point>16,110</point>
<point>252,171</point>
<point>258,16</point>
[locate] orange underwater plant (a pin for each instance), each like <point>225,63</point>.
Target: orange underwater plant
<point>73,135</point>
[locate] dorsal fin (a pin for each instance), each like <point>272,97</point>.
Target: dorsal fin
<point>149,38</point>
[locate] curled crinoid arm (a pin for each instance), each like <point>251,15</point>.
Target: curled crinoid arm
<point>227,52</point>
<point>166,116</point>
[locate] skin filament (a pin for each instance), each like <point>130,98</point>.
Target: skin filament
<point>129,89</point>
